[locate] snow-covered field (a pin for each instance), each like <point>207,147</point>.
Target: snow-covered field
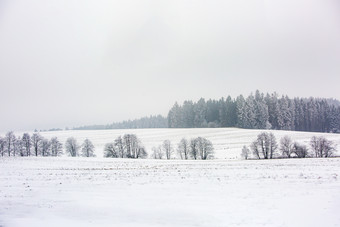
<point>228,142</point>
<point>119,192</point>
<point>226,191</point>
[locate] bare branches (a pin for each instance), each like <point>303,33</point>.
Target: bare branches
<point>322,147</point>
<point>128,146</point>
<point>265,146</point>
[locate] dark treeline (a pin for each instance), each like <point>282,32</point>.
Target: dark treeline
<point>259,111</point>
<point>145,122</point>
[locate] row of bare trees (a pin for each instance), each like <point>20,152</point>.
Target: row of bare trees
<point>130,146</point>
<point>37,145</point>
<point>73,149</point>
<point>195,148</point>
<point>126,146</point>
<point>266,147</point>
<point>29,145</point>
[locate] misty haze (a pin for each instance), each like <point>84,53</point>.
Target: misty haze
<point>66,63</point>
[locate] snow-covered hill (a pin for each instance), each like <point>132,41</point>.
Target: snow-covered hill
<point>227,142</point>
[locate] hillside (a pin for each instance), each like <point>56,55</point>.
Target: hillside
<point>227,142</point>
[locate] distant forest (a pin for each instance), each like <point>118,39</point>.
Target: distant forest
<point>145,122</point>
<point>257,111</point>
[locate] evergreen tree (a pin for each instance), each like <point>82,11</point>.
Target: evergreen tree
<point>261,112</point>
<point>241,113</point>
<point>273,109</point>
<point>212,116</point>
<point>200,111</point>
<point>188,114</point>
<point>174,116</point>
<point>222,112</point>
<point>258,112</point>
<point>231,109</point>
<point>249,113</point>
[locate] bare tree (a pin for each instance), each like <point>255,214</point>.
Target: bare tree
<point>264,146</point>
<point>16,145</point>
<point>154,153</point>
<point>183,148</point>
<point>56,147</point>
<point>255,149</point>
<point>87,148</point>
<point>72,147</point>
<point>245,152</point>
<point>133,147</point>
<point>322,147</point>
<point>110,151</point>
<point>272,145</point>
<point>194,148</point>
<point>36,138</point>
<point>263,142</point>
<point>26,139</point>
<point>141,152</point>
<point>20,146</point>
<point>2,146</point>
<point>205,148</point>
<point>286,146</point>
<point>10,137</point>
<point>314,143</point>
<point>157,152</point>
<point>327,147</point>
<point>168,149</point>
<point>300,151</point>
<point>45,147</point>
<point>128,146</point>
<point>128,143</point>
<point>119,146</point>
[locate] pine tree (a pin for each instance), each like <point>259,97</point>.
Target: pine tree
<point>222,107</point>
<point>200,111</point>
<point>174,120</point>
<point>231,110</point>
<point>250,115</point>
<point>261,112</point>
<point>240,109</point>
<point>188,114</point>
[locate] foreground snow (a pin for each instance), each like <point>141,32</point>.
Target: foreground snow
<point>120,192</point>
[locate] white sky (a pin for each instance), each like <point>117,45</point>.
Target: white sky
<point>70,63</point>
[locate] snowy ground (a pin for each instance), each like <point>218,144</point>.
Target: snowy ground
<point>228,142</point>
<point>120,192</point>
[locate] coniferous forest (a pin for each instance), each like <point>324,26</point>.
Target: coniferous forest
<point>259,111</point>
<point>144,122</point>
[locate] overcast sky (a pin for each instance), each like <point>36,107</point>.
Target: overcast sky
<point>71,63</point>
